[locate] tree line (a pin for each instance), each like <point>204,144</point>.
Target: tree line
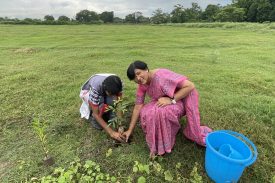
<point>238,11</point>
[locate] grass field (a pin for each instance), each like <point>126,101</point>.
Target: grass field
<point>43,67</point>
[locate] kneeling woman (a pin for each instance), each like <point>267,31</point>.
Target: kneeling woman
<point>172,96</point>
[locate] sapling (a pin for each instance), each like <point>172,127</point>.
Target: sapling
<point>119,108</point>
<point>39,128</point>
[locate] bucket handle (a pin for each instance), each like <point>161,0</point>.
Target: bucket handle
<point>255,152</point>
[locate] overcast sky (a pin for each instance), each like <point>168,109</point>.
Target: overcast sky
<point>39,8</point>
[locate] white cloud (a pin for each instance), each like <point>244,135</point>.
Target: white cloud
<point>40,8</point>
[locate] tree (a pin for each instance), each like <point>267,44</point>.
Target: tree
<point>130,18</point>
<point>48,18</point>
<point>138,17</point>
<point>238,15</point>
<point>86,16</point>
<point>210,12</point>
<point>252,13</point>
<point>231,14</point>
<point>272,2</point>
<point>193,13</point>
<point>178,14</point>
<point>107,16</point>
<point>37,21</point>
<point>160,17</point>
<point>243,4</point>
<point>272,15</point>
<point>256,10</point>
<point>263,11</point>
<point>28,21</point>
<point>143,19</point>
<point>63,18</point>
<point>118,20</point>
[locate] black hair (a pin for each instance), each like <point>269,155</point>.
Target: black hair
<point>112,84</point>
<point>135,65</point>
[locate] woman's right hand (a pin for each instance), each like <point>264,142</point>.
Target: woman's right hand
<point>117,136</point>
<point>127,134</point>
<point>163,101</point>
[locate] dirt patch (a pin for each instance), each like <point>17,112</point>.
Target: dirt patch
<point>25,50</point>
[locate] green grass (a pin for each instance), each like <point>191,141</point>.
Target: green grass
<point>43,67</point>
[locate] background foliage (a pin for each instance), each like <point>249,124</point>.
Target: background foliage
<point>237,11</point>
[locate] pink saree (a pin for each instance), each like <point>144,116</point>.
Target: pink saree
<point>161,124</point>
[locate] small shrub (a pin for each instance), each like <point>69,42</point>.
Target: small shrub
<point>120,108</point>
<point>195,177</point>
<point>90,171</point>
<point>77,172</point>
<point>40,128</point>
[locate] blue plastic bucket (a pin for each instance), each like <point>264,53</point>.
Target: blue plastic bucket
<point>227,155</point>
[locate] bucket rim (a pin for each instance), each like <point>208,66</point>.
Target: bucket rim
<point>242,161</point>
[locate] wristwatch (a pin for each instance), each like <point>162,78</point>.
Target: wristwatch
<point>173,101</point>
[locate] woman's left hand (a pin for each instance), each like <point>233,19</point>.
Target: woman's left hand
<point>163,101</point>
<point>127,134</point>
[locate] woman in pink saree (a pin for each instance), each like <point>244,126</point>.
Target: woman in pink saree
<point>172,96</point>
